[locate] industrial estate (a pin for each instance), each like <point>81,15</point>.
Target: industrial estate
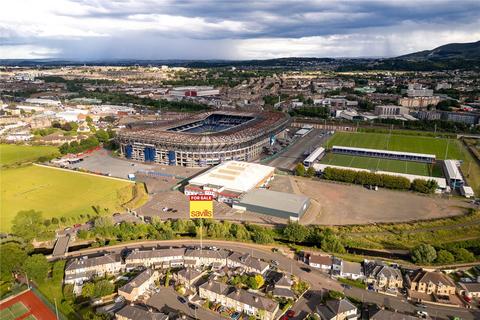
<point>278,189</point>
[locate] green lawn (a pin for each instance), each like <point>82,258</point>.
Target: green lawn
<point>376,164</point>
<point>407,143</point>
<point>12,154</point>
<point>56,193</point>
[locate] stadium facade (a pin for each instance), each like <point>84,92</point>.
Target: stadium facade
<point>203,139</point>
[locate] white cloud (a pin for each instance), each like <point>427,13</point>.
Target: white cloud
<point>27,52</point>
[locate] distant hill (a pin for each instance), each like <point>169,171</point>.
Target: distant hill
<point>468,51</point>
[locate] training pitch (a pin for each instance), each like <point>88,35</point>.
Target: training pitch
<point>442,148</point>
<point>377,164</point>
<point>57,193</point>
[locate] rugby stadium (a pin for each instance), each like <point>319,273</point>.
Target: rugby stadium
<point>203,139</point>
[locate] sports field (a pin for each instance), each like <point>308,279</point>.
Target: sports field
<point>56,193</point>
<point>11,153</point>
<point>376,164</point>
<point>25,306</point>
<point>430,145</point>
<point>14,311</point>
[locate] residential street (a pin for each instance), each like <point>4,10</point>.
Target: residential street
<point>317,280</point>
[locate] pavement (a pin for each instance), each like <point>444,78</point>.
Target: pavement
<point>319,282</point>
<point>295,152</point>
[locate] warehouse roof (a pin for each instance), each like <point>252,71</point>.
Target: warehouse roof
<point>235,176</point>
<point>275,200</point>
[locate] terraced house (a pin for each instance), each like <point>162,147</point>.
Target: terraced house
<point>238,299</point>
<point>84,268</point>
<point>382,276</point>
<point>435,283</point>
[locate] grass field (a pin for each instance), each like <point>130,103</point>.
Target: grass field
<point>376,164</point>
<point>407,143</point>
<point>13,154</point>
<point>56,193</point>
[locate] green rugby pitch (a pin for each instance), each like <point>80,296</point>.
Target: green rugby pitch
<point>376,164</point>
<point>395,142</point>
<point>56,193</point>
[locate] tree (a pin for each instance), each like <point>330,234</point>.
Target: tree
<point>424,253</point>
<point>295,232</point>
<point>103,288</point>
<point>12,256</point>
<point>28,224</point>
<point>311,172</point>
<point>102,135</point>
<point>36,267</point>
<point>88,290</point>
<point>463,255</point>
<point>445,257</point>
<point>253,282</point>
<point>262,236</point>
<point>300,170</point>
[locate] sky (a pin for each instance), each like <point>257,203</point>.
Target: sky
<point>230,29</point>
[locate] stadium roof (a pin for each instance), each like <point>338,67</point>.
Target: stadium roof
<point>442,183</point>
<point>235,176</point>
<point>399,153</point>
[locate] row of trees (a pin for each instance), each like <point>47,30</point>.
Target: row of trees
<point>381,180</point>
<point>427,254</point>
<point>77,147</point>
<point>301,171</point>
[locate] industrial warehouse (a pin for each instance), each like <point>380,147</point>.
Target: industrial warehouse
<point>204,139</point>
<point>244,186</point>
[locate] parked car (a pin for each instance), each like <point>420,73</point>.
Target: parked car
<point>290,313</point>
<point>275,262</point>
<point>192,306</point>
<point>181,299</point>
<point>420,305</point>
<point>422,314</point>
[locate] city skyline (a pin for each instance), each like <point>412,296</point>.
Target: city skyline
<point>90,30</point>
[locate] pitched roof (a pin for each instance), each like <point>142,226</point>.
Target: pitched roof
<point>390,315</point>
<point>137,313</point>
<point>379,269</point>
<point>248,261</point>
<point>437,278</point>
<point>214,254</point>
<point>140,279</point>
<point>189,274</point>
<point>351,267</point>
<point>320,259</point>
<point>241,295</point>
<point>340,306</point>
<point>155,253</point>
<point>87,262</point>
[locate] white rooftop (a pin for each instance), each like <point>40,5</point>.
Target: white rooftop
<point>386,151</point>
<point>452,170</point>
<point>237,176</point>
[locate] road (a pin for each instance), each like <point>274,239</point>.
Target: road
<point>295,152</point>
<point>319,282</point>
